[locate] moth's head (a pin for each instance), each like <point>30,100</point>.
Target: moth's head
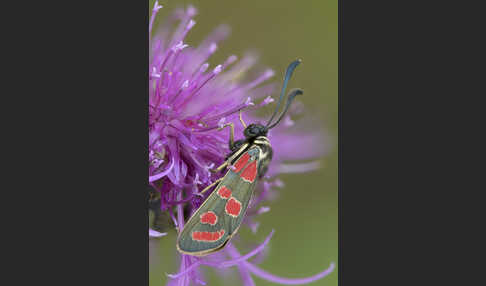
<point>254,130</point>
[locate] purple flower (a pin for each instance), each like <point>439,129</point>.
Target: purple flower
<point>188,101</point>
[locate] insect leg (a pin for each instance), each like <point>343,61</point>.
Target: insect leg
<point>210,186</point>
<point>230,159</point>
<point>232,132</point>
<point>219,168</point>
<point>241,120</point>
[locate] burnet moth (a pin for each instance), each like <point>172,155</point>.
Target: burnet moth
<point>219,217</point>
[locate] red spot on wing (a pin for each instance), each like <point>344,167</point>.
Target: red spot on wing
<point>207,236</point>
<point>209,217</point>
<point>224,192</point>
<point>241,162</point>
<point>250,172</point>
<point>233,207</point>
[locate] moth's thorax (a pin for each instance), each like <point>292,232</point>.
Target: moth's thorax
<point>261,140</point>
<point>266,154</point>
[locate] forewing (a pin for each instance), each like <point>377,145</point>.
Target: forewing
<point>227,203</point>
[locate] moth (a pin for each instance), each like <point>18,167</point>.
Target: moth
<point>219,217</point>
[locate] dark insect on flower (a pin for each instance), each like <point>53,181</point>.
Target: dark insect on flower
<point>220,216</point>
<point>188,103</point>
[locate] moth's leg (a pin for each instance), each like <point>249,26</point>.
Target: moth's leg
<point>219,168</point>
<point>210,186</point>
<point>241,120</point>
<point>230,159</point>
<point>238,152</point>
<point>232,132</point>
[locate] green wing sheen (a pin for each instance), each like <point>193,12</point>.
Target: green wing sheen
<point>240,190</point>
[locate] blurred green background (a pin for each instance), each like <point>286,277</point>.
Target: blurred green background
<point>305,216</point>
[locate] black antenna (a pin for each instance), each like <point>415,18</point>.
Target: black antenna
<point>291,97</point>
<point>288,74</point>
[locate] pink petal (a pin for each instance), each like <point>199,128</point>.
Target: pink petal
<point>162,174</point>
<point>287,281</point>
<point>224,264</point>
<point>153,233</point>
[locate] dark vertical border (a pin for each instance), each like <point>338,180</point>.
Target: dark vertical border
<point>369,144</point>
<point>398,90</point>
<point>114,218</point>
<point>82,142</point>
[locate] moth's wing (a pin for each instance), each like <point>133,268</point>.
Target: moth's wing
<point>243,189</point>
<point>198,238</point>
<point>189,244</point>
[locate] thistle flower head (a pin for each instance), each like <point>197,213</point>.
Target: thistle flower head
<point>189,100</point>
